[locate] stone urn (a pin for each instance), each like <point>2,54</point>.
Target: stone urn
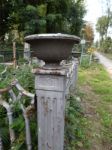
<point>51,48</point>
<point>52,82</point>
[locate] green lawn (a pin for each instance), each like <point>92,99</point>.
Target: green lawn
<point>108,55</point>
<point>96,86</point>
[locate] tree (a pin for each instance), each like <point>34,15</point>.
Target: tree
<point>56,15</point>
<point>107,45</point>
<point>64,16</point>
<point>41,16</point>
<point>89,33</point>
<point>75,17</point>
<point>105,21</point>
<point>102,26</point>
<point>4,14</point>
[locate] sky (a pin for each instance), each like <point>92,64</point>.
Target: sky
<point>94,11</point>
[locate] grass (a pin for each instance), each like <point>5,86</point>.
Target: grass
<point>75,126</point>
<point>108,55</point>
<point>96,86</point>
<point>1,68</point>
<point>22,73</point>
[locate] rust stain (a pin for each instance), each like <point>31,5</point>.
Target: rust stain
<point>49,146</point>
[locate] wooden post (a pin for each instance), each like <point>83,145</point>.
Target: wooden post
<point>14,54</point>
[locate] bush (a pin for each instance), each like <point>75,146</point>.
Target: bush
<point>75,122</point>
<point>85,61</point>
<point>106,45</point>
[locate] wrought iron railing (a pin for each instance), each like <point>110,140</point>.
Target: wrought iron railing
<point>8,55</point>
<point>21,92</point>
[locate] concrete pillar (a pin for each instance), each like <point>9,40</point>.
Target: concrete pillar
<point>26,51</point>
<point>50,86</point>
<point>75,74</point>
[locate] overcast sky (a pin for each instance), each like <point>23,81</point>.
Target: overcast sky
<point>94,11</point>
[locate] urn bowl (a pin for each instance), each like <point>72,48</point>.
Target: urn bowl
<point>51,48</point>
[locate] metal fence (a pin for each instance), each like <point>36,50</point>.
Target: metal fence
<point>8,55</point>
<point>8,107</point>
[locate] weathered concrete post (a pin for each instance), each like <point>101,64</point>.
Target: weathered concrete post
<point>75,59</point>
<point>50,88</point>
<point>52,82</point>
<point>26,51</point>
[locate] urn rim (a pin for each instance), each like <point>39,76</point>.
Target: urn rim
<point>51,36</point>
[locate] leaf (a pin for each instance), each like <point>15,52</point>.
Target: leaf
<point>42,10</point>
<point>80,144</point>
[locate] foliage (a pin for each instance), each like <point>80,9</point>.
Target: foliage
<point>5,8</point>
<point>104,22</point>
<point>106,45</point>
<point>75,126</point>
<point>6,79</point>
<point>30,17</point>
<point>4,133</point>
<point>19,127</point>
<point>1,68</point>
<point>98,93</point>
<point>76,13</point>
<point>91,50</point>
<point>89,33</point>
<point>23,74</point>
<point>108,55</point>
<point>102,26</point>
<point>85,61</point>
<point>26,79</point>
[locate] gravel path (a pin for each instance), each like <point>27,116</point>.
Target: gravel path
<point>107,63</point>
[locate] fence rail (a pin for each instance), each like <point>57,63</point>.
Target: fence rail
<point>8,107</point>
<point>8,55</point>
